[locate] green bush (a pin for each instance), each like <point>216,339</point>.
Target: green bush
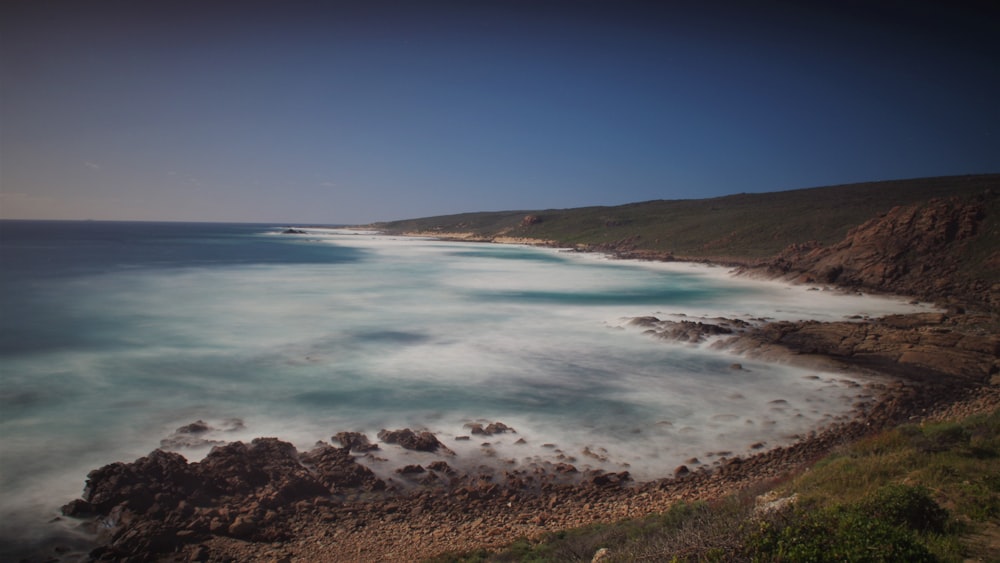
<point>885,526</point>
<point>835,535</point>
<point>907,507</point>
<point>936,437</point>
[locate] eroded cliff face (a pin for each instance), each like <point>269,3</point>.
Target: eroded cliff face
<point>920,250</point>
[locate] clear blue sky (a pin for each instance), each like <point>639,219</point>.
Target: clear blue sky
<point>365,110</point>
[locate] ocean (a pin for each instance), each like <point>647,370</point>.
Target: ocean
<point>114,334</point>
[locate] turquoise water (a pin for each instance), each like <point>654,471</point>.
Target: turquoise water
<point>113,335</point>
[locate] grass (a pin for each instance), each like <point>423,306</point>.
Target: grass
<point>915,493</point>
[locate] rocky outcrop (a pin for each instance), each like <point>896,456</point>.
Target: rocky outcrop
<point>918,250</point>
<point>160,503</point>
<point>419,441</point>
<point>930,347</point>
<point>490,429</point>
<point>689,331</point>
<point>355,441</point>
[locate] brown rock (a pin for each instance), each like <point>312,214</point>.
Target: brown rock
<point>406,438</point>
<point>355,441</point>
<point>242,527</point>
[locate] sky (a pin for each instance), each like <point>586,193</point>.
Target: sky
<point>351,112</point>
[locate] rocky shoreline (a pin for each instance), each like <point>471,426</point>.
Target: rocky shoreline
<point>266,501</point>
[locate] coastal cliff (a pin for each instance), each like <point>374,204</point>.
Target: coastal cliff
<point>917,250</point>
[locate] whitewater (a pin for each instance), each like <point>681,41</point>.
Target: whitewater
<point>114,335</point>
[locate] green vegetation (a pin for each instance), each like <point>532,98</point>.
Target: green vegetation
<point>916,493</point>
<point>740,227</point>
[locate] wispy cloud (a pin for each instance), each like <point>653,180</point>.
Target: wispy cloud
<point>92,165</point>
<point>327,185</point>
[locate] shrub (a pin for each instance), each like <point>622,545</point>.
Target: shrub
<point>835,535</point>
<point>905,506</point>
<point>939,437</point>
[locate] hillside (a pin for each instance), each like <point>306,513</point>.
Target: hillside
<point>788,233</point>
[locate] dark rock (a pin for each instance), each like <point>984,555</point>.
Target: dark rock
<point>197,427</point>
<point>498,428</point>
<point>441,467</point>
<point>406,438</point>
<point>490,429</point>
<point>337,470</point>
<point>242,527</point>
<point>137,483</point>
<point>610,479</point>
<point>645,321</point>
<point>355,441</point>
<point>78,508</point>
<point>240,470</point>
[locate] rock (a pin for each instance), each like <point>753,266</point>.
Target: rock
<point>688,331</point>
<point>681,471</point>
<point>242,527</point>
<point>355,441</point>
<point>78,508</point>
<point>139,482</point>
<point>498,428</point>
<point>441,467</point>
<point>406,438</point>
<point>914,250</point>
<point>411,470</point>
<point>644,321</point>
<point>240,470</point>
<point>600,479</point>
<point>337,470</point>
<point>197,427</point>
<point>492,428</point>
<point>199,553</point>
